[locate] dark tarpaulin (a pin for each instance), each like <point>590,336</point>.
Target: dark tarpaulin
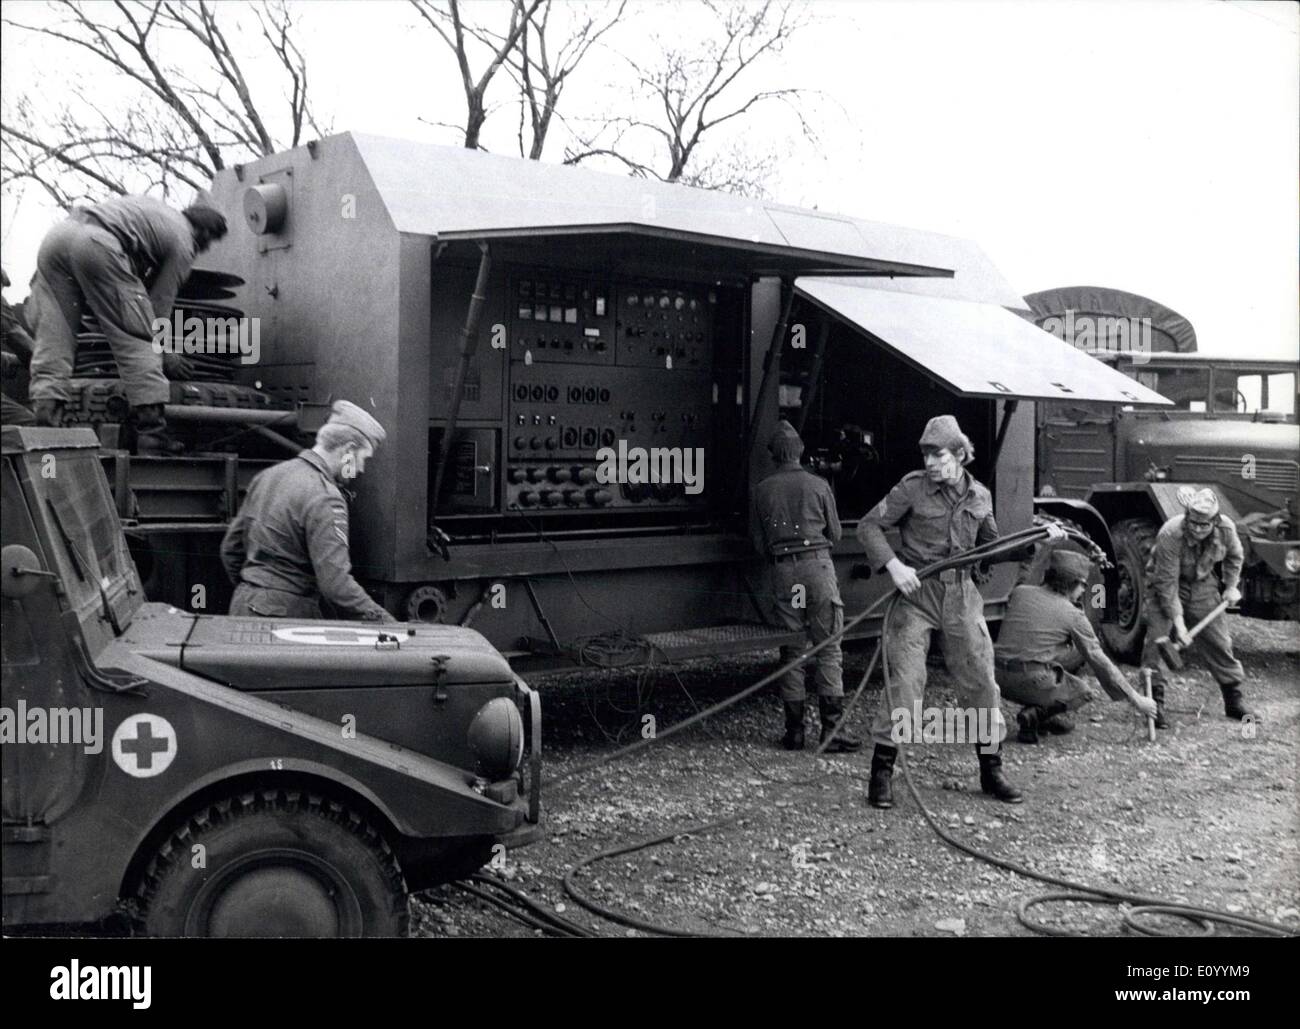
<point>1170,331</point>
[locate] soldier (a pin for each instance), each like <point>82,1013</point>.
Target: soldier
<point>793,524</point>
<point>1045,639</point>
<point>288,546</point>
<point>16,353</point>
<point>939,513</point>
<point>1183,586</point>
<point>124,259</point>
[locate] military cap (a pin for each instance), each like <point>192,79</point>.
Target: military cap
<point>1070,564</point>
<point>345,413</point>
<point>785,444</point>
<point>944,433</point>
<point>1204,502</point>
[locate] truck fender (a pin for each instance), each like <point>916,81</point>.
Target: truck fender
<point>1087,517</point>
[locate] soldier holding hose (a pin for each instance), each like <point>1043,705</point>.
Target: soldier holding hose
<point>939,512</point>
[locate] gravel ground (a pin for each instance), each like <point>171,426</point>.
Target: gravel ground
<point>1205,815</point>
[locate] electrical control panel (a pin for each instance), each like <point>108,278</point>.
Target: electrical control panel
<point>597,364</point>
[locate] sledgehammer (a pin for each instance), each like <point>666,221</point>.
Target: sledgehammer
<point>1171,652</point>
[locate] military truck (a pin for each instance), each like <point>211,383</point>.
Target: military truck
<point>1232,428</point>
<point>214,776</point>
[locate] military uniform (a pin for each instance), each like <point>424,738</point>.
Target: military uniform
<point>1182,583</point>
<point>100,258</point>
<point>288,546</point>
<point>16,347</point>
<point>793,524</point>
<point>1043,643</point>
<point>935,521</point>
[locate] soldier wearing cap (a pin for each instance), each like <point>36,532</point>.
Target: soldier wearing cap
<point>1184,587</point>
<point>288,546</point>
<point>122,260</point>
<point>939,512</point>
<point>1045,640</point>
<point>793,524</point>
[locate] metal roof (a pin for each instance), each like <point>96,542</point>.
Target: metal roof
<point>453,194</point>
<point>976,349</point>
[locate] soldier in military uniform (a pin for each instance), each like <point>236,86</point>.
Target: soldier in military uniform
<point>1044,641</point>
<point>124,259</point>
<point>1184,587</point>
<point>16,351</point>
<point>793,524</point>
<point>939,513</point>
<point>288,546</point>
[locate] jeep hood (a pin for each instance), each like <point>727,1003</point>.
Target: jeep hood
<point>284,653</point>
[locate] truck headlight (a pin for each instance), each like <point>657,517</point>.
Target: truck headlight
<point>496,738</point>
<point>1293,560</point>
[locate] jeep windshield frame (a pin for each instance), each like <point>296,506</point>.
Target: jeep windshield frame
<point>86,538</point>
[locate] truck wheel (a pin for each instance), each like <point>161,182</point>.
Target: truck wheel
<point>277,862</point>
<point>1134,538</point>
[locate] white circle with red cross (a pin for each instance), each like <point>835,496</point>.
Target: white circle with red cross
<point>144,745</point>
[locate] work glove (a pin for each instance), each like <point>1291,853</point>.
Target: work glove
<point>1232,596</point>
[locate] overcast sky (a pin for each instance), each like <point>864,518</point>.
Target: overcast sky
<point>1147,146</point>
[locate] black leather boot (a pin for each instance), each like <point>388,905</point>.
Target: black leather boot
<point>992,781</point>
<point>1055,718</point>
<point>1158,695</point>
<point>793,725</point>
<point>1233,706</point>
<point>831,710</point>
<point>48,412</point>
<point>151,436</point>
<point>1027,720</point>
<point>881,791</point>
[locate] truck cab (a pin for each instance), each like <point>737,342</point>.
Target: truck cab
<point>1232,428</point>
<point>214,776</point>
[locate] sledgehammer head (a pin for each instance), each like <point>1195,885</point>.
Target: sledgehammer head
<point>1170,653</point>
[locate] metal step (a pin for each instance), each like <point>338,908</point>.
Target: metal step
<point>717,640</point>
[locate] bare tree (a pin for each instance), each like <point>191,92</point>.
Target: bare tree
<point>453,30</point>
<point>686,93</point>
<point>544,59</point>
<point>191,110</point>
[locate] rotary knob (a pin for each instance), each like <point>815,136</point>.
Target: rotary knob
<point>551,497</point>
<point>528,498</point>
<point>600,497</point>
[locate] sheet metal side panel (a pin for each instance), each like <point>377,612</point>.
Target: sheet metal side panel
<point>976,349</point>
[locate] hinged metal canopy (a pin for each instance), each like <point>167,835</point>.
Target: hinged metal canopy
<point>975,349</point>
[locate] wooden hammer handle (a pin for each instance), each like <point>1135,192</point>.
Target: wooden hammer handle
<point>1191,633</point>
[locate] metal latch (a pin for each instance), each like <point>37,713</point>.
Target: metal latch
<point>386,641</point>
<point>440,677</point>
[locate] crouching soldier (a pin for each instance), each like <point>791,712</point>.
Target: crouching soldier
<point>793,524</point>
<point>288,546</point>
<point>1044,641</point>
<point>939,512</point>
<point>1184,588</point>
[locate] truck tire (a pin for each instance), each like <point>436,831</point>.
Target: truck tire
<point>277,862</point>
<point>1133,538</point>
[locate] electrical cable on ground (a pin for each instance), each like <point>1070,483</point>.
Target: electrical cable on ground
<point>1133,906</point>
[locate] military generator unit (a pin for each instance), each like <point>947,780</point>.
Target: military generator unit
<point>1232,427</point>
<point>238,776</point>
<point>577,372</point>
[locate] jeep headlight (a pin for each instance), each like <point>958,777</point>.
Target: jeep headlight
<point>496,738</point>
<point>1293,560</point>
